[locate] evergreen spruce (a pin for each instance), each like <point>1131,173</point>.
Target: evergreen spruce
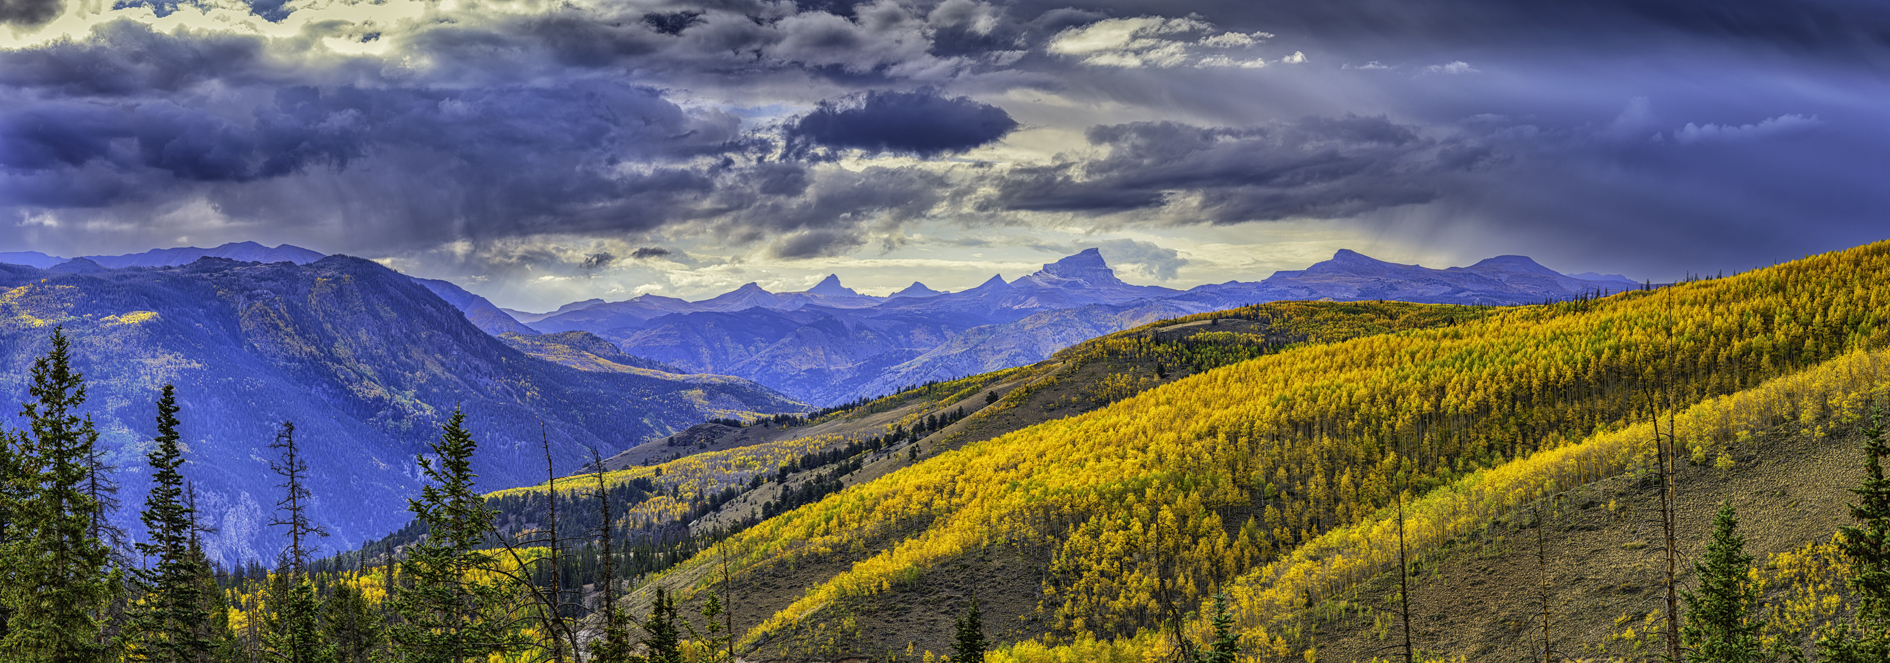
<point>13,490</point>
<point>215,631</point>
<point>58,575</point>
<point>1867,546</point>
<point>969,645</point>
<point>447,614</point>
<point>662,640</point>
<point>168,619</point>
<point>352,625</point>
<point>1226,645</point>
<point>296,635</point>
<point>1721,621</point>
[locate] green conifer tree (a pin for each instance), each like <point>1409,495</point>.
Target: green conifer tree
<point>1721,621</point>
<point>969,645</point>
<point>215,630</point>
<point>296,634</point>
<point>13,490</point>
<point>448,615</point>
<point>1226,645</point>
<point>1867,546</point>
<point>57,575</point>
<point>662,640</point>
<point>352,625</point>
<point>166,622</point>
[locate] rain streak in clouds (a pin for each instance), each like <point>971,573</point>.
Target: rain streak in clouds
<point>595,137</point>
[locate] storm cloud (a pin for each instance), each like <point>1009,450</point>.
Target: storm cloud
<point>918,123</point>
<point>1313,167</point>
<point>750,132</point>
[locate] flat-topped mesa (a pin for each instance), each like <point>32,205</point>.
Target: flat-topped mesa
<point>1514,264</point>
<point>830,286</point>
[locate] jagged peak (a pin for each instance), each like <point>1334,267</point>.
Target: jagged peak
<point>1087,266</point>
<point>831,286</point>
<point>917,289</point>
<point>995,282</point>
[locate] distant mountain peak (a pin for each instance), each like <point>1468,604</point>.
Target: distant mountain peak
<point>1350,256</point>
<point>917,289</point>
<point>77,266</point>
<point>1087,266</point>
<point>996,282</point>
<point>1347,262</point>
<point>831,286</point>
<point>1515,264</point>
<point>751,286</point>
<point>1596,276</point>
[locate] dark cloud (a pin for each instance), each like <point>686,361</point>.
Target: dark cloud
<point>672,23</point>
<point>1850,31</point>
<point>840,210</point>
<point>921,123</point>
<point>1315,167</point>
<point>29,13</point>
<point>419,164</point>
<point>597,261</point>
<point>123,58</point>
<point>646,252</point>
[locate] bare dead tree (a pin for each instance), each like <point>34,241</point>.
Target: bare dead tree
<point>1665,449</point>
<point>728,611</point>
<point>549,601</point>
<point>554,614</point>
<point>1542,580</point>
<point>1404,565</point>
<point>292,510</point>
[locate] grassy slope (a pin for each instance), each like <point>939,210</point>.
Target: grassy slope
<point>1481,597</point>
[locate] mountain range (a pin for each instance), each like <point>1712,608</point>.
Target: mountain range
<point>830,344</point>
<point>364,360</point>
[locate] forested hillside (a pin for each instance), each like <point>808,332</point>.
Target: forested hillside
<point>365,362</point>
<point>1238,482</point>
<point>1133,514</point>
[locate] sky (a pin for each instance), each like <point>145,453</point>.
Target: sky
<point>543,152</point>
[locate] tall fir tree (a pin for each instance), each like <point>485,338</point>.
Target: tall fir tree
<point>1722,624</point>
<point>57,576</point>
<point>1867,546</point>
<point>295,636</point>
<point>449,612</point>
<point>662,640</point>
<point>1226,645</point>
<point>352,625</point>
<point>215,630</point>
<point>166,621</point>
<point>969,644</point>
<point>13,491</point>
